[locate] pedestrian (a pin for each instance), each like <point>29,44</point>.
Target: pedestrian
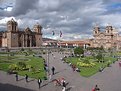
<point>96,88</point>
<point>64,85</point>
<point>26,77</point>
<point>119,64</point>
<point>73,67</point>
<point>54,57</point>
<point>39,82</point>
<point>53,70</point>
<point>46,68</point>
<point>16,76</point>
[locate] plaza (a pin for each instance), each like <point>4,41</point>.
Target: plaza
<point>108,80</point>
<point>60,45</point>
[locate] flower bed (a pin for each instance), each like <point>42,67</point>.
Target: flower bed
<point>82,64</point>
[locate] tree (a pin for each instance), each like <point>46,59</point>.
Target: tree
<point>78,51</point>
<point>99,56</point>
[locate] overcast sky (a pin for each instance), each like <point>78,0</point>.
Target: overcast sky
<point>74,18</point>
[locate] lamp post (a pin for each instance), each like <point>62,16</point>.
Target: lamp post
<point>7,49</point>
<point>48,61</point>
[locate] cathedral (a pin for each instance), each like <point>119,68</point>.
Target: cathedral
<point>14,37</point>
<point>109,38</point>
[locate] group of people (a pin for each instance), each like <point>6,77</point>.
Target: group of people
<point>60,82</point>
<point>46,68</point>
<point>26,77</point>
<point>73,66</point>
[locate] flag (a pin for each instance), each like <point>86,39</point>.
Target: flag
<point>60,34</point>
<point>53,33</point>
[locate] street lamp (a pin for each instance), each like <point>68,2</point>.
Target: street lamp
<point>7,49</point>
<point>48,60</point>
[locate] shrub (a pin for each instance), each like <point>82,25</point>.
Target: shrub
<point>86,61</point>
<point>28,66</point>
<point>13,67</point>
<point>22,49</point>
<point>21,65</point>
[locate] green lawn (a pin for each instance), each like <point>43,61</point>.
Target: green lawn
<point>89,71</point>
<point>35,62</point>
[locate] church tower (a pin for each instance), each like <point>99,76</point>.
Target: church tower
<point>12,26</point>
<point>38,34</point>
<point>109,29</point>
<point>96,30</point>
<point>12,33</point>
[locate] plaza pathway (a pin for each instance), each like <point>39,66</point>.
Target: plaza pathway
<point>108,80</point>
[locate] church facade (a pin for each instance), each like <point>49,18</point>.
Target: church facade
<point>109,38</point>
<point>14,37</point>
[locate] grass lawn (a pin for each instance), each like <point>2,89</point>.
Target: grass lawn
<point>89,71</point>
<point>35,62</point>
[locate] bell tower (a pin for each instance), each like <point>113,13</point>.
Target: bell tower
<point>12,26</point>
<point>96,30</point>
<point>38,34</point>
<point>109,29</point>
<point>12,33</point>
<point>37,28</point>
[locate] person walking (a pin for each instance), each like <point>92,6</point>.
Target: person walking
<point>16,76</point>
<point>73,67</point>
<point>26,77</point>
<point>53,70</point>
<point>96,88</point>
<point>39,82</point>
<point>64,85</point>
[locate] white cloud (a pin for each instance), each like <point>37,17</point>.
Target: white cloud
<point>8,9</point>
<point>5,19</point>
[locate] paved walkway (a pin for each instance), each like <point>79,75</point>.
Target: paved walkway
<point>108,80</point>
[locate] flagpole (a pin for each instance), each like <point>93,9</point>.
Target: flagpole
<point>60,38</point>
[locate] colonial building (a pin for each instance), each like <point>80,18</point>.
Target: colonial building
<point>14,37</point>
<point>65,44</point>
<point>109,38</point>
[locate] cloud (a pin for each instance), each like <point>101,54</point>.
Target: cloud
<point>23,6</point>
<point>71,17</point>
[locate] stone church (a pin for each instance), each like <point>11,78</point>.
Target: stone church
<point>14,37</point>
<point>109,38</point>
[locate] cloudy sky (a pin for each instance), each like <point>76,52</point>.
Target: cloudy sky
<point>74,18</point>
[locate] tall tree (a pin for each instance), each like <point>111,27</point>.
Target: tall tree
<point>78,51</point>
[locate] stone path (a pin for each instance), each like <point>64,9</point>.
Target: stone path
<point>108,80</point>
